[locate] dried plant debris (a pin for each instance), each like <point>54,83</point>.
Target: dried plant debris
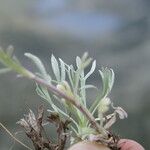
<point>34,129</point>
<point>61,128</point>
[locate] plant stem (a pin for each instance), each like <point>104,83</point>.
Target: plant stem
<point>14,137</point>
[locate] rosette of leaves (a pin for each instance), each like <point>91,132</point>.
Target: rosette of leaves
<point>69,87</point>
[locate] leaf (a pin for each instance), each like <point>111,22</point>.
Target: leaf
<point>78,62</point>
<point>91,70</point>
<point>42,92</point>
<point>13,64</point>
<point>111,79</point>
<point>10,50</point>
<point>103,105</point>
<point>121,112</point>
<point>86,63</point>
<point>39,65</point>
<point>85,56</point>
<point>110,122</point>
<point>107,76</point>
<point>88,86</point>
<point>70,74</point>
<point>85,131</point>
<point>63,70</point>
<point>5,70</point>
<point>55,67</point>
<point>16,59</point>
<point>83,88</point>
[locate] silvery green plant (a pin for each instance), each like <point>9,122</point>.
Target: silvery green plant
<point>69,88</point>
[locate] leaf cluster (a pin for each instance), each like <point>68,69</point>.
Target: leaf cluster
<point>71,81</point>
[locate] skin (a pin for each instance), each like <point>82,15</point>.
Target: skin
<point>88,146</point>
<point>126,144</point>
<point>123,144</point>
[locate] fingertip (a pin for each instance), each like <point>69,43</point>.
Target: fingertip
<point>126,144</point>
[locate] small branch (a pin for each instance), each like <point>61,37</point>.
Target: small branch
<point>14,137</point>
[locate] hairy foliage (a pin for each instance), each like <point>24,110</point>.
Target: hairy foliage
<point>72,82</point>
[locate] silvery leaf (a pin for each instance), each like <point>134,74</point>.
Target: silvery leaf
<point>88,86</point>
<point>107,76</point>
<point>10,50</point>
<point>4,70</point>
<point>121,112</point>
<point>85,56</point>
<point>78,62</point>
<point>91,70</point>
<point>39,65</point>
<point>55,67</point>
<point>63,73</point>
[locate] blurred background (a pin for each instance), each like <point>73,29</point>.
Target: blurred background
<point>116,33</point>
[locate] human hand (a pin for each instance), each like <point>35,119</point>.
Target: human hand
<point>126,144</point>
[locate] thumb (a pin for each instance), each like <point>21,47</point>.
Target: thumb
<point>126,144</point>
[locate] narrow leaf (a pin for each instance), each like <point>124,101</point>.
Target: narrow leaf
<point>85,56</point>
<point>111,79</point>
<point>4,70</point>
<point>78,62</point>
<point>10,50</point>
<point>121,112</point>
<point>91,70</point>
<point>55,67</point>
<point>63,70</point>
<point>42,92</point>
<point>12,64</point>
<point>107,76</point>
<point>39,65</point>
<point>86,63</point>
<point>69,73</point>
<point>85,131</point>
<point>110,122</point>
<point>88,86</point>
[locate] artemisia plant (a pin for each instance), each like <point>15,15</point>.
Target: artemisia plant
<point>69,87</point>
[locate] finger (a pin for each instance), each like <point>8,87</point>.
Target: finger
<point>126,144</point>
